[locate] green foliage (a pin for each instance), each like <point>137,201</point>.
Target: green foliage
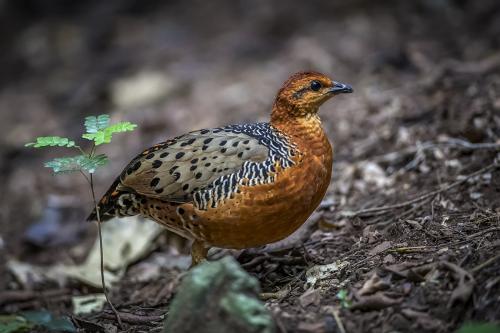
<point>343,297</point>
<point>14,324</point>
<point>51,322</point>
<point>77,163</point>
<point>98,130</point>
<point>94,124</point>
<point>104,135</point>
<point>479,328</point>
<point>28,321</point>
<point>51,141</point>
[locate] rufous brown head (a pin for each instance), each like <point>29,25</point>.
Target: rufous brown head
<point>303,93</point>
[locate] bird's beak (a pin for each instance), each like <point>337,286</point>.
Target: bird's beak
<point>339,88</point>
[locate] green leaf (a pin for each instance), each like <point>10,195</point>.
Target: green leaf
<point>475,327</point>
<point>77,163</point>
<point>50,321</point>
<point>105,135</point>
<point>51,141</point>
<point>99,138</point>
<point>94,124</point>
<point>121,127</point>
<point>65,164</point>
<point>91,164</point>
<point>343,297</point>
<point>14,324</point>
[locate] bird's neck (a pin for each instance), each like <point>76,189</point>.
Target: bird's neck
<point>305,131</point>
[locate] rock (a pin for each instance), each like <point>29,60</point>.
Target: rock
<point>218,297</point>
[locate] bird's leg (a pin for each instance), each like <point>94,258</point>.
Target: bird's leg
<point>198,252</point>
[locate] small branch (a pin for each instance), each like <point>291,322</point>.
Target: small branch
<point>451,142</point>
<point>85,176</point>
<point>26,295</point>
<point>371,211</point>
<point>117,315</point>
<point>92,150</point>
<point>338,320</point>
<point>482,232</point>
<point>279,295</point>
<point>132,318</point>
<point>486,263</point>
<point>469,145</point>
<point>410,249</point>
<point>80,150</point>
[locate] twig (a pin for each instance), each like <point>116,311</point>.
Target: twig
<point>474,67</point>
<point>117,315</point>
<point>487,218</point>
<point>409,249</point>
<point>132,318</point>
<point>485,231</point>
<point>399,217</point>
<point>37,303</point>
<point>336,316</point>
<point>486,263</point>
<point>26,295</point>
<point>469,145</point>
<point>284,291</point>
<point>370,211</point>
<point>466,283</point>
<point>427,145</point>
<point>255,261</point>
<point>279,295</point>
<point>441,246</point>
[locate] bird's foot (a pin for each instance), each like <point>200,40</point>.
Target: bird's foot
<point>198,253</point>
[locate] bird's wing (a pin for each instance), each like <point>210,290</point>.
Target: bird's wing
<point>177,168</point>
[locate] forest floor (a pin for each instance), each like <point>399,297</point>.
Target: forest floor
<point>407,238</point>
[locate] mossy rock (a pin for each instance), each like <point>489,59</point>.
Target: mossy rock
<point>218,297</point>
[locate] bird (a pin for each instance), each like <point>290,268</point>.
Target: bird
<point>236,186</point>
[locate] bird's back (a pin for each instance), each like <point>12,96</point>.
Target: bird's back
<point>204,167</point>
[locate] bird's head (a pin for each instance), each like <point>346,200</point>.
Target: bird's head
<point>303,93</point>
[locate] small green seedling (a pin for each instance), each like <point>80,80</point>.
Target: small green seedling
<point>99,131</point>
<point>343,297</point>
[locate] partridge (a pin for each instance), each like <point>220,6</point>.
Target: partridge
<point>236,186</point>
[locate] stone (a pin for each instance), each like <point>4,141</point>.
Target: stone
<point>218,297</point>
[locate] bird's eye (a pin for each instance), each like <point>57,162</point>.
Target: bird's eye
<point>315,85</point>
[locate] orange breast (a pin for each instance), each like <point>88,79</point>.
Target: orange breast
<point>267,213</point>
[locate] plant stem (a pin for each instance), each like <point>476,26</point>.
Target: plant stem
<point>92,150</point>
<point>102,254</point>
<point>80,150</point>
<point>86,178</point>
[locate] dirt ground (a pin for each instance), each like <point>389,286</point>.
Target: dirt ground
<point>411,220</point>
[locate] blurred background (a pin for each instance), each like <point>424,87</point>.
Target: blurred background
<point>420,70</point>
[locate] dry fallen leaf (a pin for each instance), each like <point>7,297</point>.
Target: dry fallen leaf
<point>380,248</point>
<point>376,301</point>
<point>125,241</point>
<point>389,259</point>
<point>88,303</point>
<point>310,296</point>
<point>374,284</point>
